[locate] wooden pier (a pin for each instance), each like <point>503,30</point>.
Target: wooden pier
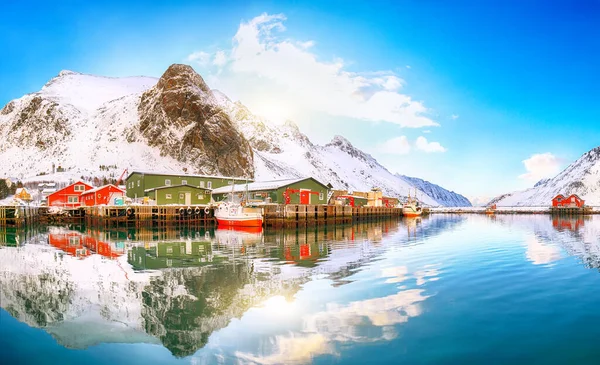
<point>18,216</point>
<point>148,215</point>
<point>274,215</point>
<point>290,216</point>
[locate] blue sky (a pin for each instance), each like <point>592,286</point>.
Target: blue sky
<point>506,83</point>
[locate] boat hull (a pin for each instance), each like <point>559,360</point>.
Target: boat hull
<point>240,222</point>
<point>411,211</point>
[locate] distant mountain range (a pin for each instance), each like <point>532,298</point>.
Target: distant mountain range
<point>98,126</point>
<point>582,177</point>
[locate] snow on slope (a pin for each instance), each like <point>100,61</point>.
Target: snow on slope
<point>82,122</point>
<point>582,177</point>
<point>441,195</point>
<point>98,115</point>
<point>282,151</point>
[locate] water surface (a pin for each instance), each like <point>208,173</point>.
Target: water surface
<point>447,289</point>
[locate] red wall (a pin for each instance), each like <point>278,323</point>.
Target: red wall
<point>565,202</point>
<point>61,198</point>
<point>101,196</point>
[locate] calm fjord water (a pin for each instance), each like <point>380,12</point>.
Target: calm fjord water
<point>439,290</point>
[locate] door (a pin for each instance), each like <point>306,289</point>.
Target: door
<point>188,198</point>
<point>305,197</point>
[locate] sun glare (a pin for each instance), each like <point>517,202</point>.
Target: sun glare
<point>278,305</point>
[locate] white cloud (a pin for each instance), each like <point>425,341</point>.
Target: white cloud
<point>540,166</point>
<point>201,58</point>
<point>427,131</point>
<point>395,146</point>
<point>428,147</point>
<point>220,59</point>
<point>289,72</point>
<point>454,116</point>
<point>408,66</point>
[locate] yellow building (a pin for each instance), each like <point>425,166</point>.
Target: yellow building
<point>22,194</point>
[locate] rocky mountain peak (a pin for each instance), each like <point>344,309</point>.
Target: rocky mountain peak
<point>180,77</point>
<point>181,117</point>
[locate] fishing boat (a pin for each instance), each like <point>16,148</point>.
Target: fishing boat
<point>232,213</point>
<point>491,209</point>
<point>411,207</point>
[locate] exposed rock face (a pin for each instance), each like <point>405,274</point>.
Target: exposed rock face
<point>181,117</point>
<point>40,123</point>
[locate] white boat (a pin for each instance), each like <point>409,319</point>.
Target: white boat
<point>412,208</point>
<point>237,215</point>
<point>232,213</point>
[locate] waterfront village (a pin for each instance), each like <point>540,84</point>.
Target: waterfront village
<point>157,188</point>
<point>160,197</point>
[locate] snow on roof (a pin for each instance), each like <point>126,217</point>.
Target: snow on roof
<point>175,173</point>
<point>262,185</point>
<point>100,188</point>
<point>174,186</point>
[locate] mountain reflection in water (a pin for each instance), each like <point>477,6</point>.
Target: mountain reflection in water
<point>265,297</point>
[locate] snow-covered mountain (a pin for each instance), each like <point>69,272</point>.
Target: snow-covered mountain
<point>98,126</point>
<point>582,177</point>
<point>450,198</point>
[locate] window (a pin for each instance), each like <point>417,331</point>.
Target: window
<point>207,192</point>
<point>168,196</point>
<point>181,196</point>
<point>169,249</point>
<point>183,182</point>
<point>167,182</point>
<point>321,196</point>
<point>201,184</point>
<point>73,199</point>
<point>230,182</point>
<point>200,196</point>
<point>79,188</point>
<point>74,241</point>
<point>209,184</point>
<point>138,183</point>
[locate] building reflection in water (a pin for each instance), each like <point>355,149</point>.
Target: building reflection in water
<point>179,286</point>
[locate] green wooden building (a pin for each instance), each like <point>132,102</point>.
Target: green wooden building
<point>179,194</point>
<point>290,191</point>
<point>172,254</point>
<point>139,184</point>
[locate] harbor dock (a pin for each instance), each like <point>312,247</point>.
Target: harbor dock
<point>274,215</point>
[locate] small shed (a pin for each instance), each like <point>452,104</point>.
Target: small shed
<point>103,195</point>
<point>179,195</point>
<point>289,191</point>
<point>69,195</point>
<point>573,201</point>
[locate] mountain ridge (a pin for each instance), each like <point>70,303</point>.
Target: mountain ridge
<point>582,177</point>
<point>170,124</point>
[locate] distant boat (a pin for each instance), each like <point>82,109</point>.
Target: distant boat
<point>411,207</point>
<point>491,209</point>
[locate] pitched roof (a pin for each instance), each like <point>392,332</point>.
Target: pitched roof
<point>75,183</point>
<point>262,185</point>
<point>100,188</point>
<point>174,186</point>
<point>173,173</point>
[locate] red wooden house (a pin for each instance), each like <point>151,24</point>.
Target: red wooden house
<point>69,196</point>
<point>70,242</point>
<point>104,195</point>
<point>573,201</point>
